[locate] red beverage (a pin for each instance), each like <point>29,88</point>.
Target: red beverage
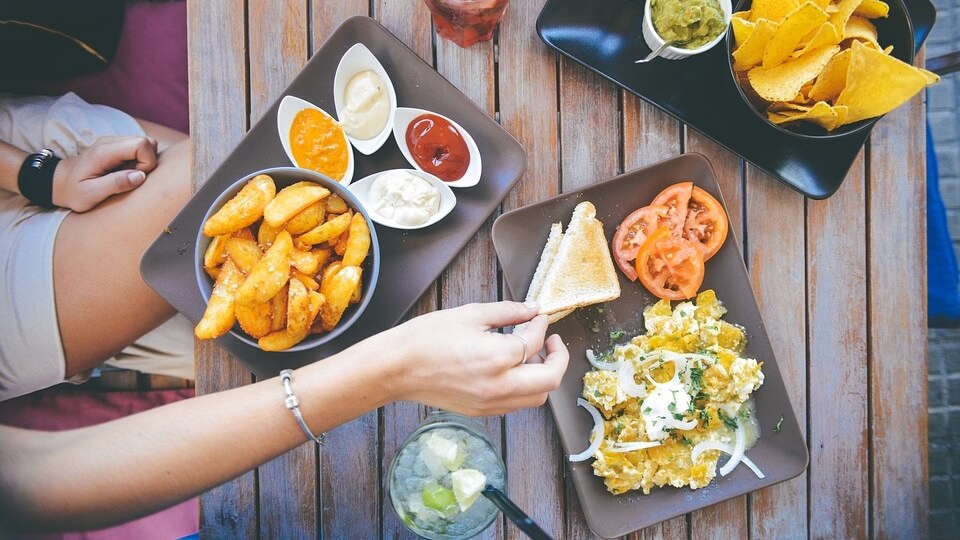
<point>466,22</point>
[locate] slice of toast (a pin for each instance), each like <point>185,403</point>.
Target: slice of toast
<point>580,272</point>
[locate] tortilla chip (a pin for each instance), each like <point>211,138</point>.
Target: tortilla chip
<point>845,9</point>
<point>742,29</point>
<point>862,29</point>
<point>832,79</point>
<point>825,34</point>
<point>750,53</point>
<point>791,31</point>
<point>822,114</point>
<point>772,10</point>
<point>783,82</point>
<point>877,83</point>
<point>872,9</point>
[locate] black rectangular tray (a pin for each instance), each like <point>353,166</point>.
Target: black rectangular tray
<point>605,37</point>
<point>410,260</point>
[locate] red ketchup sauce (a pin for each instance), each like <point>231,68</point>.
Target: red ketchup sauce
<point>437,147</point>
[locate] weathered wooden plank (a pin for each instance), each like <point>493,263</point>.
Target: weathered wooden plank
<point>472,275</point>
<point>836,268</point>
<point>530,115</point>
<point>775,255</point>
<point>218,97</point>
<point>590,144</point>
<point>649,136</point>
<point>727,519</point>
<point>277,53</point>
<point>409,21</point>
<point>897,278</point>
<point>411,24</point>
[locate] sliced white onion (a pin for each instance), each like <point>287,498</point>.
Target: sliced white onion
<point>596,435</point>
<point>628,385</point>
<point>633,446</point>
<point>737,455</point>
<point>605,366</point>
<point>702,447</point>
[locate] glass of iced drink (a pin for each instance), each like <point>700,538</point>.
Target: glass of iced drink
<point>466,22</point>
<point>435,480</point>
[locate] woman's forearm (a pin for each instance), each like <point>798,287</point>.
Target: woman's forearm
<point>140,464</point>
<point>11,159</point>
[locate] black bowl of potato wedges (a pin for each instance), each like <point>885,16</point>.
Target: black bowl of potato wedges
<point>286,260</point>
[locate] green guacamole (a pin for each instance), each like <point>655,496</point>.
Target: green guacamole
<point>695,22</point>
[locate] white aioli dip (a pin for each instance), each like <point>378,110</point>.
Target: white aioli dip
<point>404,197</point>
<point>366,106</point>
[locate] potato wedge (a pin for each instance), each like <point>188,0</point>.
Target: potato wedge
<point>216,251</point>
<point>304,261</point>
<point>337,291</point>
<point>331,229</point>
<point>298,309</point>
<point>329,272</point>
<point>244,209</point>
<point>292,200</point>
<point>340,246</point>
<point>358,241</point>
<point>307,219</point>
<point>280,340</point>
<point>323,255</point>
<point>270,274</point>
<point>336,205</point>
<point>219,316</point>
<point>308,282</point>
<point>255,319</point>
<point>245,233</point>
<point>278,307</point>
<point>266,235</point>
<point>244,252</point>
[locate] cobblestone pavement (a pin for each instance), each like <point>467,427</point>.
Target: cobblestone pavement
<point>943,104</point>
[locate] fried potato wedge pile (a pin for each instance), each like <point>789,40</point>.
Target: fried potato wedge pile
<point>286,264</point>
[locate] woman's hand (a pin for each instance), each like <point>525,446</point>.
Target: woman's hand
<point>453,359</point>
<point>109,166</point>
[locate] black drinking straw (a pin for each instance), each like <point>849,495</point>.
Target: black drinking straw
<point>514,513</point>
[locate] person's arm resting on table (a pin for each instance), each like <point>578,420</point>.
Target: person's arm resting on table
<point>112,472</point>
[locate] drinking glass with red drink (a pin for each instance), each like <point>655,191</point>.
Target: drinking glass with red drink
<point>466,22</point>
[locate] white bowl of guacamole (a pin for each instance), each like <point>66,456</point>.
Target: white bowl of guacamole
<point>696,25</point>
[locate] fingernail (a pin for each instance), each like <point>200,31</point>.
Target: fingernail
<point>136,177</point>
<point>532,305</point>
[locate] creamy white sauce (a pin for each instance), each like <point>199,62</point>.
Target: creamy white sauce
<point>366,106</point>
<point>404,198</point>
<point>660,405</point>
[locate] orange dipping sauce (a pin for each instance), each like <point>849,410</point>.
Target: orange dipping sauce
<point>318,143</point>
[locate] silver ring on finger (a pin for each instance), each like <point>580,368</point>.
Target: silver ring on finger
<point>523,343</point>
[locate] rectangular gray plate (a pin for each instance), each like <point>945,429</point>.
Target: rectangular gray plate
<point>519,236</point>
<point>411,260</point>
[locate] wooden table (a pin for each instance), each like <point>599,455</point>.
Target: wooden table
<point>841,283</point>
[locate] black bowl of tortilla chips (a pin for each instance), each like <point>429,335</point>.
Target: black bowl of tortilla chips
<point>805,76</point>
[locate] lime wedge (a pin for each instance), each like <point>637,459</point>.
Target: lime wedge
<point>439,498</point>
<point>467,485</point>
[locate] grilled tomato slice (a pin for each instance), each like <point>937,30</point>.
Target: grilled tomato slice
<point>670,267</point>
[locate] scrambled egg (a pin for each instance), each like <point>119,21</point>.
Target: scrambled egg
<point>690,385</point>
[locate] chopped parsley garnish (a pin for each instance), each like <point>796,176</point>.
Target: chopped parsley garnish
<point>685,441</point>
<point>729,421</point>
<point>704,417</point>
<point>618,428</point>
<point>646,410</point>
<point>776,428</point>
<point>596,393</point>
<point>616,335</point>
<point>696,379</point>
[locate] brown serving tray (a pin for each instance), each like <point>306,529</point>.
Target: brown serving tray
<point>411,260</point>
<point>780,455</point>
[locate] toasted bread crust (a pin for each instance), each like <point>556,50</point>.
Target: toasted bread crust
<point>581,272</point>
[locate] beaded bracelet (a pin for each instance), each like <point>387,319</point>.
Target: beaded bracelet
<point>292,403</point>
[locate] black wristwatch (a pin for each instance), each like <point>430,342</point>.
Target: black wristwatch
<point>35,180</point>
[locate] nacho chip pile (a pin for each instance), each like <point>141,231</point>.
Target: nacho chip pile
<point>820,61</point>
